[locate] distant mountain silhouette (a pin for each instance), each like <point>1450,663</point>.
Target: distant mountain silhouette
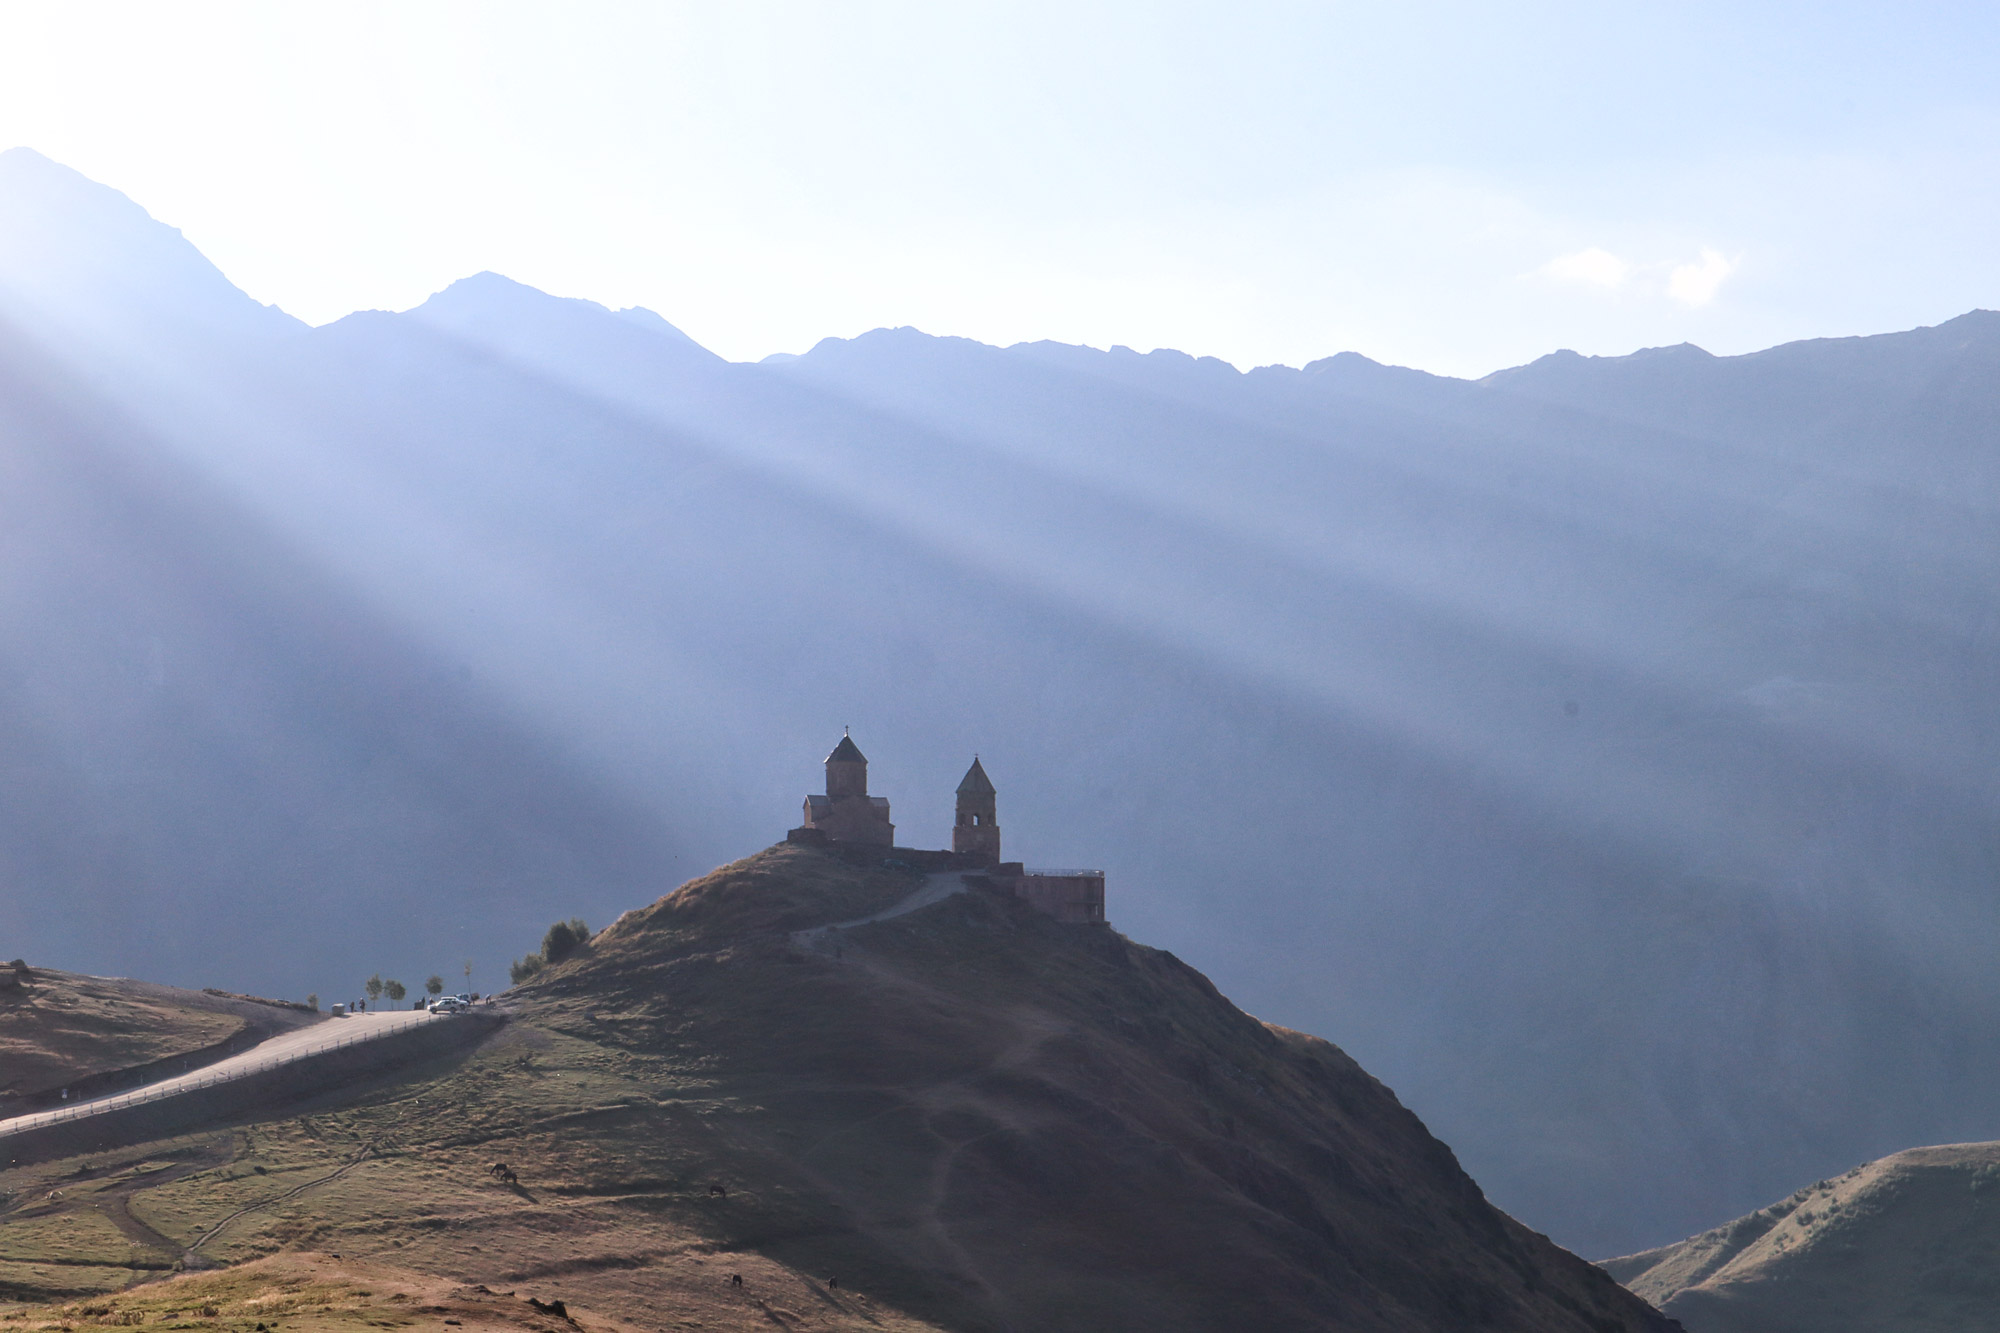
<point>1601,752</point>
<point>516,321</point>
<point>79,257</point>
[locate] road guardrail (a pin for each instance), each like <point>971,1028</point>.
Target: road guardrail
<point>180,1083</point>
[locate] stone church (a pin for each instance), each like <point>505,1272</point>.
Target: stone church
<point>846,816</point>
<point>847,813</point>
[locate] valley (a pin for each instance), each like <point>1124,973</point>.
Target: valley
<point>1582,743</point>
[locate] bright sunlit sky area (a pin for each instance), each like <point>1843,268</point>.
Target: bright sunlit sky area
<point>1453,186</point>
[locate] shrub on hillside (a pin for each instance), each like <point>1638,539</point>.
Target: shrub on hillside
<point>562,941</point>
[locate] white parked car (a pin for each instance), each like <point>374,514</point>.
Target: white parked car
<point>449,1004</point>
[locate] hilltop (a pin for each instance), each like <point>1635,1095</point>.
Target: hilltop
<point>1903,1243</point>
<point>974,1117</point>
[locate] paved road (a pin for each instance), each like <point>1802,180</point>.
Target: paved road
<point>286,1047</point>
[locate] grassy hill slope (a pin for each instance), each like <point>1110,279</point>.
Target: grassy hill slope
<point>972,1117</point>
<point>57,1028</point>
<point>1904,1243</point>
<point>309,1293</point>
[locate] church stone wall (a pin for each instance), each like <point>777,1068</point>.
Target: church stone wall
<point>1075,897</point>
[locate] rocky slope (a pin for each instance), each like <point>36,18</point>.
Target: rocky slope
<point>1905,1243</point>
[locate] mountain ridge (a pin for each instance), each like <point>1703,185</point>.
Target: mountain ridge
<point>1579,762</point>
<point>84,253</point>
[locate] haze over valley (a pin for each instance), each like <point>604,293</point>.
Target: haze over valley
<point>1600,752</point>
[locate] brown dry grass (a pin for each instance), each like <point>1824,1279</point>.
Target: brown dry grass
<point>975,1117</point>
<point>62,1026</point>
<point>307,1292</point>
<point>1905,1243</point>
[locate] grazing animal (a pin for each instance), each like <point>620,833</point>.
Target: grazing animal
<point>505,1173</point>
<point>735,1279</point>
<point>833,1284</point>
<point>54,1195</point>
<point>714,1190</point>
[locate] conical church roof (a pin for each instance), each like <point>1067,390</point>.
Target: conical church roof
<point>847,750</point>
<point>976,782</point>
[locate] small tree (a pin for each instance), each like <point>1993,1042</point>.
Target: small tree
<point>374,988</point>
<point>563,939</point>
<point>434,985</point>
<point>523,968</point>
<point>312,1002</point>
<point>395,990</point>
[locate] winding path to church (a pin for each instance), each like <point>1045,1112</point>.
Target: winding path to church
<point>936,888</point>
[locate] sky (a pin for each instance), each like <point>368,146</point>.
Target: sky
<point>1453,186</point>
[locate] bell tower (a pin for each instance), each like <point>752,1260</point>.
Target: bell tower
<point>976,829</point>
<point>846,770</point>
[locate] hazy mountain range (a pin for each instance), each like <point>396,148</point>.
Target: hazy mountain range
<point>1602,753</point>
